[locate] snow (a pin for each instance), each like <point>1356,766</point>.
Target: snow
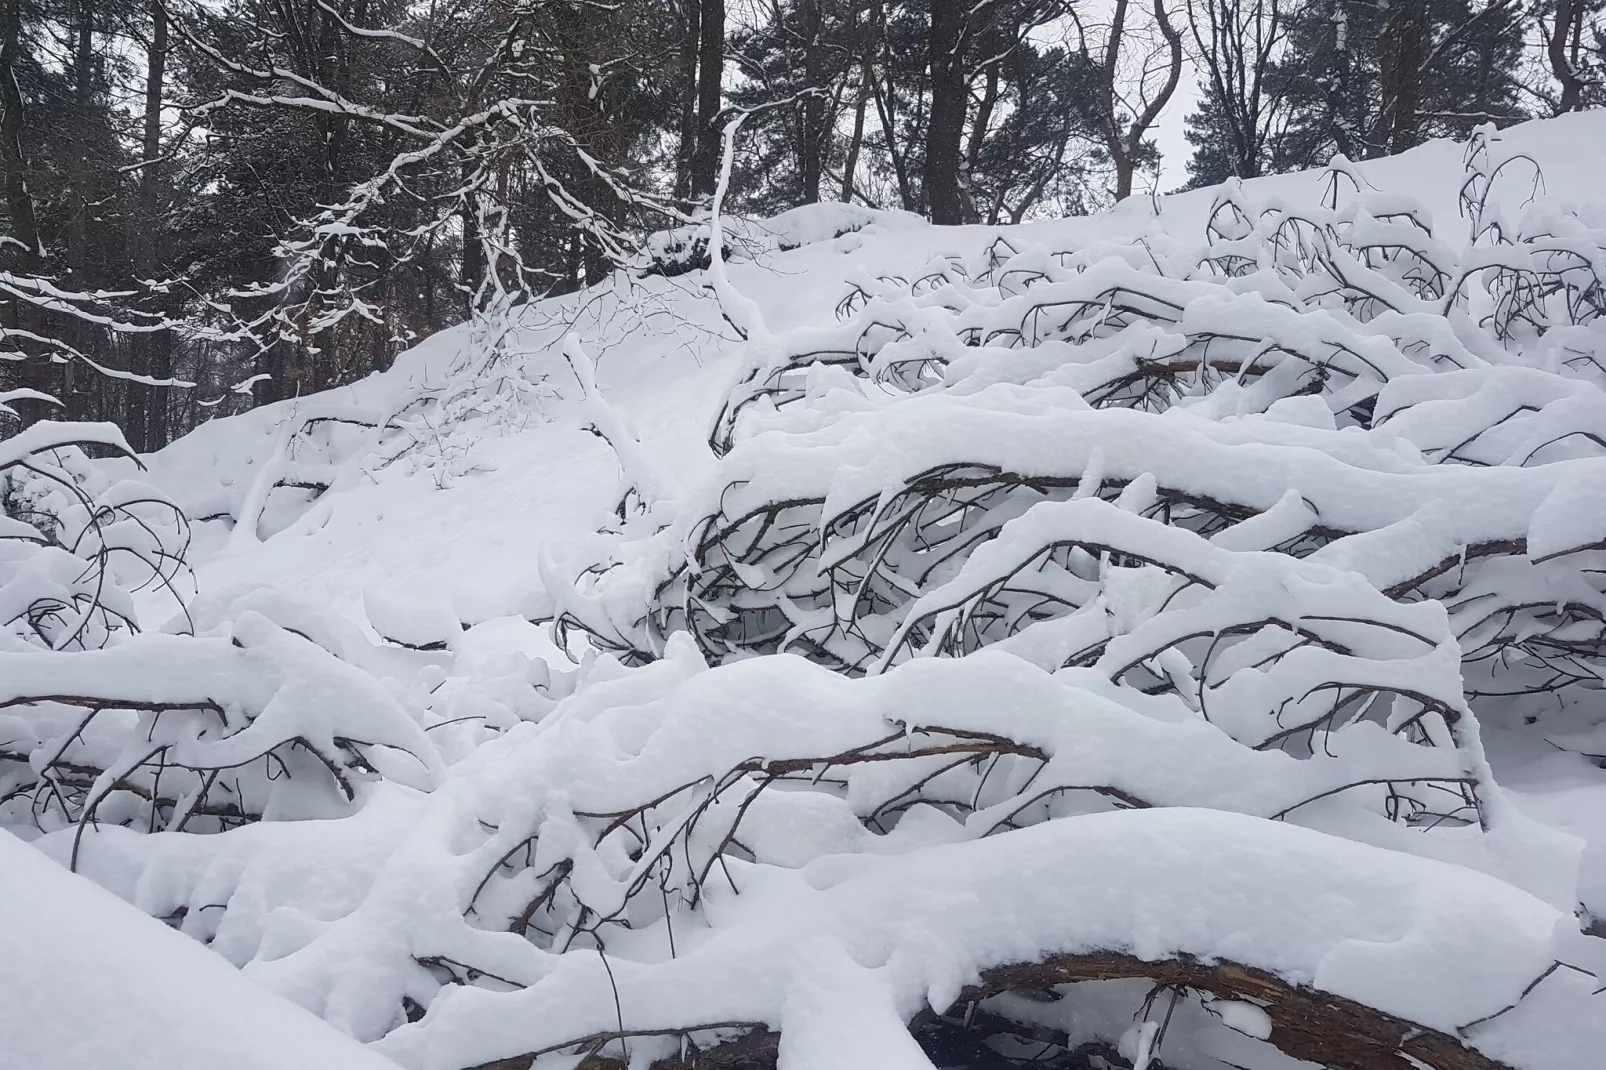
<point>1358,920</point>
<point>545,479</point>
<point>811,949</point>
<point>1219,674</point>
<point>102,984</point>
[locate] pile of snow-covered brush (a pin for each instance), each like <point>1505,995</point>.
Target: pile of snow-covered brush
<point>1077,660</point>
<point>1324,385</point>
<point>233,719</point>
<point>1322,489</point>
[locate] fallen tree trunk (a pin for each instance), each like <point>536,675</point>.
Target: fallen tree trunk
<point>1307,1023</point>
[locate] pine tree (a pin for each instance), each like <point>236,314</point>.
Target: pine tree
<point>1366,79</point>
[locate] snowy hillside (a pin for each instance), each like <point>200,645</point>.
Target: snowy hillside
<point>1172,638</point>
<point>663,357</point>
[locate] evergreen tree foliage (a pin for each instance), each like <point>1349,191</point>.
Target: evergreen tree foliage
<point>1366,79</point>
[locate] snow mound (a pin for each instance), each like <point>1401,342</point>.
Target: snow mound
<point>107,986</point>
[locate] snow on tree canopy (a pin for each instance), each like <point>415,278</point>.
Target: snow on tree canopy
<point>1068,654</point>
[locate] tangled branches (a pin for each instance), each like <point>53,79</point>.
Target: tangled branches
<point>1075,659</point>
<point>683,860</point>
<point>100,721</point>
<point>1336,383</point>
<point>75,546</point>
<point>1325,484</point>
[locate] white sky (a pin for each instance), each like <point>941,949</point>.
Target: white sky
<point>1174,148</point>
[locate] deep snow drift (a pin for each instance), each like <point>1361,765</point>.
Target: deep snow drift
<point>1170,635</point>
<point>107,986</point>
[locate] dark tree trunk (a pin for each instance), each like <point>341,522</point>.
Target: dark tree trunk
<point>152,353</point>
<point>884,104</point>
<point>946,129</point>
<point>19,202</point>
<point>811,155</point>
<point>690,42</point>
<point>472,273</point>
<point>1561,47</point>
<point>710,95</point>
<point>1404,40</point>
<point>851,163</point>
<point>1124,140</point>
<point>82,183</point>
<point>986,108</point>
<point>1338,85</point>
<point>22,253</point>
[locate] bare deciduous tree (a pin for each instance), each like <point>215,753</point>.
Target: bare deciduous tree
<point>1140,65</point>
<point>1235,42</point>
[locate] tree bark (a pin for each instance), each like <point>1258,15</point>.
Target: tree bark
<point>811,155</point>
<point>1404,40</point>
<point>1338,86</point>
<point>1566,30</point>
<point>984,119</point>
<point>686,61</point>
<point>22,254</point>
<point>152,353</point>
<point>710,94</point>
<point>1125,141</point>
<point>850,163</point>
<point>472,272</point>
<point>82,183</point>
<point>945,131</point>
<point>900,166</point>
<point>19,201</point>
<point>1306,1023</point>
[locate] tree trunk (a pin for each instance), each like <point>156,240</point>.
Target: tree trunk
<point>1125,170</point>
<point>1306,1023</point>
<point>811,156</point>
<point>1566,29</point>
<point>984,119</point>
<point>900,166</point>
<point>1404,39</point>
<point>944,201</point>
<point>851,163</point>
<point>75,393</point>
<point>687,63</point>
<point>1338,83</point>
<point>19,202</point>
<point>472,273</point>
<point>1125,141</point>
<point>710,92</point>
<point>152,353</point>
<point>22,253</point>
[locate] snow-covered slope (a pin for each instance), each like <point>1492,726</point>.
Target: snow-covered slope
<point>663,357</point>
<point>1248,533</point>
<point>93,982</point>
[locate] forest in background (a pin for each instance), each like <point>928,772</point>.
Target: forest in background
<point>209,206</point>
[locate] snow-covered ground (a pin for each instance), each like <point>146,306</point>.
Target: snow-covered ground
<point>663,356</point>
<point>93,982</point>
<point>458,537</point>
